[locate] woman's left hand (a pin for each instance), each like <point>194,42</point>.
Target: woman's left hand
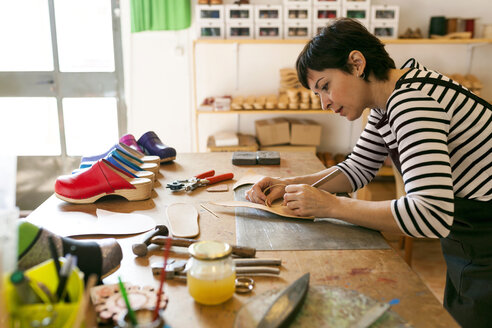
<point>305,200</point>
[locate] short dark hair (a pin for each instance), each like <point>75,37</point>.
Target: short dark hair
<point>332,46</point>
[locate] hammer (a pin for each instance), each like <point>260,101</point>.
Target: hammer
<point>141,248</point>
<point>240,251</point>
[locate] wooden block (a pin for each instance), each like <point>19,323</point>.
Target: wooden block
<point>218,188</point>
<point>183,220</point>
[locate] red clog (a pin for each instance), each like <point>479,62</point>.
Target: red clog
<point>102,179</point>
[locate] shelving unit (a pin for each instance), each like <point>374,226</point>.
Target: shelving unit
<point>388,41</point>
<point>470,43</point>
<point>267,111</point>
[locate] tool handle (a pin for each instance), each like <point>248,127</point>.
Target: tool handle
<point>246,270</point>
<point>218,178</point>
<point>257,262</point>
<point>205,174</point>
<point>243,251</point>
<point>182,242</point>
<point>240,251</point>
<point>326,178</point>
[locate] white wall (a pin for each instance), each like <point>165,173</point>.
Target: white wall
<point>158,79</point>
<point>157,82</point>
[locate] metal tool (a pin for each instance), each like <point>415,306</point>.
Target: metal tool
<point>178,270</point>
<point>285,305</point>
<point>257,261</point>
<point>371,316</point>
<point>240,251</point>
<point>140,249</point>
<point>244,285</point>
<point>203,179</point>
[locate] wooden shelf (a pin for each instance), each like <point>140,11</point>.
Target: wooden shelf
<point>304,41</point>
<point>267,111</point>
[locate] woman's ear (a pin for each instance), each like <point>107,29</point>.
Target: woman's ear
<point>358,62</point>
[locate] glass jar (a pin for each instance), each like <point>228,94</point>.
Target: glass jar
<point>211,274</point>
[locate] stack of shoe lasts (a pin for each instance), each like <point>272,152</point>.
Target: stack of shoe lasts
<point>116,158</point>
<point>150,144</point>
<point>127,159</point>
<point>134,162</point>
<point>101,179</point>
<point>127,149</point>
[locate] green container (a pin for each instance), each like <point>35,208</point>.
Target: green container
<point>160,15</point>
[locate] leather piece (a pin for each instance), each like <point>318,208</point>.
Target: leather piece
<point>94,158</point>
<point>129,140</point>
<point>152,145</point>
<point>91,182</point>
<point>113,178</point>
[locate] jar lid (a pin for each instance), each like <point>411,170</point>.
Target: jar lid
<point>209,250</point>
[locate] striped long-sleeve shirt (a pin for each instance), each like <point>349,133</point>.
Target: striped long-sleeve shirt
<point>442,133</point>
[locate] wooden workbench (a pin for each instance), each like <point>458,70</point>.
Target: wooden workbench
<point>380,274</point>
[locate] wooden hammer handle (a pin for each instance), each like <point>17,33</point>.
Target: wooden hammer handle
<point>240,251</point>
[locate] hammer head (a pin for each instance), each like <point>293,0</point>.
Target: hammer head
<point>140,249</point>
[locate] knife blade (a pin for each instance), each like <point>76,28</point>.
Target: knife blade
<point>370,317</point>
<point>286,304</point>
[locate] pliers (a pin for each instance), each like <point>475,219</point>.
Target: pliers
<point>198,181</point>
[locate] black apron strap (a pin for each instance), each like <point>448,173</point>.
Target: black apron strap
<point>392,152</point>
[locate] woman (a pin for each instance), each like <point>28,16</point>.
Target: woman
<point>438,135</point>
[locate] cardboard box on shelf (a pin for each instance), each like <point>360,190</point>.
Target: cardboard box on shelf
<point>246,143</point>
<point>290,148</point>
<point>274,131</point>
<point>226,138</point>
<point>304,132</point>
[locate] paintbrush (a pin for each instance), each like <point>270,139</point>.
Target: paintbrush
<point>326,178</point>
<point>163,278</point>
<point>131,314</point>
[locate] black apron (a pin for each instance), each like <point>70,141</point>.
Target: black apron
<point>468,254</point>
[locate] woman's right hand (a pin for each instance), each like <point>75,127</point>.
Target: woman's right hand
<point>256,194</point>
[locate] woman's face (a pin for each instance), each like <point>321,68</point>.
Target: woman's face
<point>340,91</point>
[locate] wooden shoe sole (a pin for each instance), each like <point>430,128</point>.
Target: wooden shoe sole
<point>164,160</point>
<point>146,174</point>
<point>152,167</point>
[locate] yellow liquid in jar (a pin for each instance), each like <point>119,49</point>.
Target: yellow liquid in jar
<point>211,291</point>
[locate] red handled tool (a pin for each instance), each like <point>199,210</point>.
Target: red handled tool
<point>203,179</point>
